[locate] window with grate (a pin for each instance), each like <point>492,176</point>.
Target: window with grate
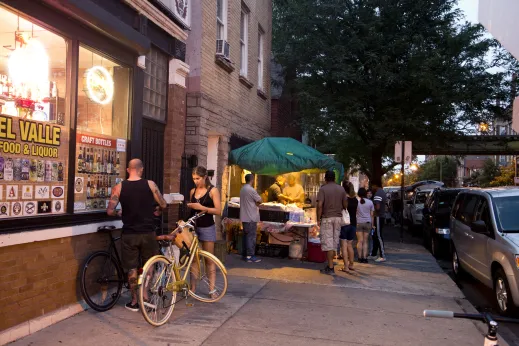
<point>156,85</point>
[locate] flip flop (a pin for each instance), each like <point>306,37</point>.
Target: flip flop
<point>344,270</point>
<point>351,268</point>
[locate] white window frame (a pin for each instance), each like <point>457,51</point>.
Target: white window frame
<point>261,70</point>
<point>221,21</point>
<point>244,42</point>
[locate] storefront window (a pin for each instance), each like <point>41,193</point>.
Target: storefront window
<point>34,135</point>
<point>155,85</point>
<point>102,129</point>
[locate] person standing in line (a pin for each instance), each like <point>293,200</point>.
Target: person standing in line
<point>205,198</point>
<point>365,221</point>
<point>138,198</point>
<point>331,200</point>
<point>348,231</point>
<point>379,200</point>
<point>249,217</point>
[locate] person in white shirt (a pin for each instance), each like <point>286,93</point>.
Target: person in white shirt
<point>365,221</point>
<point>249,216</point>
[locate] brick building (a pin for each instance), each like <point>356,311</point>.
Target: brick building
<point>116,90</point>
<point>228,86</point>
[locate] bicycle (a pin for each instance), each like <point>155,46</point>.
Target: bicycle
<point>101,269</point>
<point>162,278</point>
<point>103,277</point>
<point>491,321</point>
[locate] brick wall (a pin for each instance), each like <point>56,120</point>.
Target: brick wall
<point>174,144</point>
<point>218,102</point>
<point>39,277</point>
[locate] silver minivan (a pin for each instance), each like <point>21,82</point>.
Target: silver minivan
<point>485,238</point>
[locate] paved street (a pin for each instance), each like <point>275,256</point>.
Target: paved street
<point>281,301</point>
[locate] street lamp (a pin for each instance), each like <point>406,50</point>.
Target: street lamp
<point>483,127</point>
<point>413,167</point>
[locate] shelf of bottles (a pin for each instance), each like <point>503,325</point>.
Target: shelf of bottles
<point>100,169</point>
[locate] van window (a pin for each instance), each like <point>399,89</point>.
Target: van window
<point>456,210</point>
<point>483,214</point>
<point>506,216</point>
<point>468,208</point>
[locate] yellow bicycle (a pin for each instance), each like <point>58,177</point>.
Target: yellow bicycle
<point>196,273</point>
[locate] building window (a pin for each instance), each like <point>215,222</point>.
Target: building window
<point>155,85</point>
<point>102,129</point>
<point>261,37</point>
<point>244,40</point>
<point>221,19</point>
<point>34,119</point>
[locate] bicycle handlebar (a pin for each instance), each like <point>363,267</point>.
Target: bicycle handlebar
<point>438,314</point>
<point>478,317</point>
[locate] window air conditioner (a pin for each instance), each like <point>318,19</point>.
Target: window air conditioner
<point>223,48</point>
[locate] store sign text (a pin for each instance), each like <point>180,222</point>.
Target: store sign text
<point>40,135</point>
<point>93,140</point>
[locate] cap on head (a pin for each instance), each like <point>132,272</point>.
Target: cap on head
<point>329,176</point>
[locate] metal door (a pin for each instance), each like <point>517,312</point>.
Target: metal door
<point>153,151</point>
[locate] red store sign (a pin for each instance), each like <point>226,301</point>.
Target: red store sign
<point>97,141</point>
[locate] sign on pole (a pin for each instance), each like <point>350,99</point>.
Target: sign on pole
<point>408,152</point>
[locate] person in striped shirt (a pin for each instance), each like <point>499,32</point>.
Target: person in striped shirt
<point>380,201</point>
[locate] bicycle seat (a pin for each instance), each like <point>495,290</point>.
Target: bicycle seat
<point>106,228</point>
<point>169,237</point>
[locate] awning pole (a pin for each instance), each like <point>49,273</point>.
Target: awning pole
<point>229,184</point>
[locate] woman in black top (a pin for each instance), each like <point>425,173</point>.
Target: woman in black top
<point>348,232</point>
<point>205,198</point>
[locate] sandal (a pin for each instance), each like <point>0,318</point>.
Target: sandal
<point>351,268</point>
<point>344,270</point>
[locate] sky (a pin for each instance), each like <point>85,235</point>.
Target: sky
<point>470,7</point>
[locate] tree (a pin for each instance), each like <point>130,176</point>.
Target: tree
<point>370,72</point>
<point>441,168</point>
<point>488,173</point>
<point>505,177</point>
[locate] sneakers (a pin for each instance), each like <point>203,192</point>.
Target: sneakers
<point>328,271</point>
<point>131,307</point>
<point>380,259</point>
<point>253,259</point>
<point>372,257</point>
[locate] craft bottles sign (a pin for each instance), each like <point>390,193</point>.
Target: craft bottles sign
<point>29,138</point>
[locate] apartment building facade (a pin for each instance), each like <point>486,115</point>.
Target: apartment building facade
<point>228,86</point>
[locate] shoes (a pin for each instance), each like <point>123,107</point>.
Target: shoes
<point>380,259</point>
<point>253,259</point>
<point>364,260</point>
<point>372,257</point>
<point>328,271</point>
<point>131,307</point>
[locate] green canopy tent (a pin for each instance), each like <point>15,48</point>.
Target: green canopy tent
<point>278,155</point>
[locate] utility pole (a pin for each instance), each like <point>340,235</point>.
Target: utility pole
<point>402,188</point>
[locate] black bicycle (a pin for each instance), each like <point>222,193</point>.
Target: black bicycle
<point>102,276</point>
<point>491,321</point>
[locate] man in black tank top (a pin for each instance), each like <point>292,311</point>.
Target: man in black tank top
<point>138,198</point>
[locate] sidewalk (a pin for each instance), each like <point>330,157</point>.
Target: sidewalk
<point>289,302</point>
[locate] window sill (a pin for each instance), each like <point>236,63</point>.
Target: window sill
<point>246,82</point>
<point>224,63</point>
<point>262,94</point>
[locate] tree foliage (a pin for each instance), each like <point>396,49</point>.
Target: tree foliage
<point>441,168</point>
<point>488,173</point>
<point>369,72</point>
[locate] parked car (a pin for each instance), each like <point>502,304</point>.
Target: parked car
<point>485,241</point>
<point>436,220</point>
<point>413,208</point>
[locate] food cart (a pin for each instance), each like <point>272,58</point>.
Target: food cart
<point>281,223</point>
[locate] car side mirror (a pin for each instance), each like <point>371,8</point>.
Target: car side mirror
<point>479,227</point>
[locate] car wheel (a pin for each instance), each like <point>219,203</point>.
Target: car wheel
<point>504,301</point>
<point>456,265</point>
<point>435,248</point>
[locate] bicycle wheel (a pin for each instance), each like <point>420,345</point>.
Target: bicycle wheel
<point>207,278</point>
<point>101,281</point>
<point>155,300</point>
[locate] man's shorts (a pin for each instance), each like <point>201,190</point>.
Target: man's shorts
<point>330,232</point>
<point>348,232</point>
<point>136,247</point>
